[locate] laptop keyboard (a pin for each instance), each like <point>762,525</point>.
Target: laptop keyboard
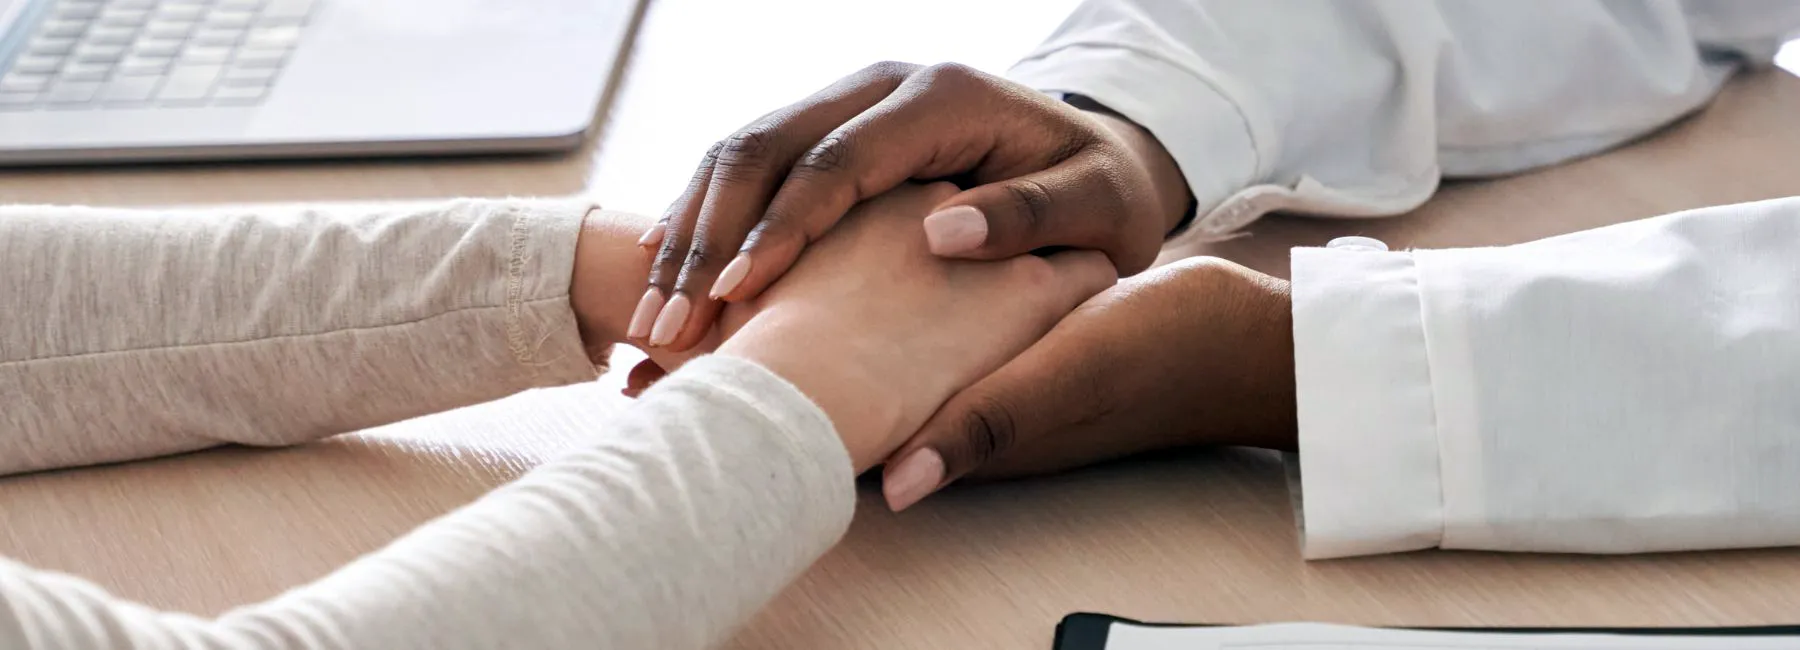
<point>99,54</point>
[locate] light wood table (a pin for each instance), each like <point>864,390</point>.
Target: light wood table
<point>1201,536</point>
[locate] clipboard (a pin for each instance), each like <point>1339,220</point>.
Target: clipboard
<point>1091,631</point>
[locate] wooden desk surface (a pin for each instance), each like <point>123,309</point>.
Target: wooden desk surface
<point>1203,536</point>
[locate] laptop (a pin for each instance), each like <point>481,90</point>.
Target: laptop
<point>102,81</point>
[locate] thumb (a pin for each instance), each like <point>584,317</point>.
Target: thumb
<point>1034,395</point>
<point>1075,204</point>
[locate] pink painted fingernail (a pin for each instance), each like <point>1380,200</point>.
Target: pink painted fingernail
<point>645,316</point>
<point>731,277</point>
<point>654,236</point>
<point>668,325</point>
<point>955,230</point>
<point>914,478</point>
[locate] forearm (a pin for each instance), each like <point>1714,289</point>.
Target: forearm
<point>676,520</point>
<point>1358,108</point>
<point>130,334</point>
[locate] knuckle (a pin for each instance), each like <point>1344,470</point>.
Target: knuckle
<point>1031,201</point>
<point>751,146</point>
<point>940,191</point>
<point>890,70</point>
<point>830,155</point>
<point>1035,273</point>
<point>953,73</point>
<point>771,231</point>
<point>1065,147</point>
<point>670,254</point>
<point>988,430</point>
<point>699,256</point>
<point>712,155</point>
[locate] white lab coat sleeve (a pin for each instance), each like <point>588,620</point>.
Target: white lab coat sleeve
<point>1356,108</point>
<point>1619,390</point>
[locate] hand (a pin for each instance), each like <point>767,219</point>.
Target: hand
<point>1043,173</point>
<point>1196,352</point>
<point>608,266</point>
<point>878,332</point>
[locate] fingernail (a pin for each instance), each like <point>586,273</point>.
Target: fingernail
<point>916,476</point>
<point>955,230</point>
<point>645,316</point>
<point>652,237</point>
<point>668,325</point>
<point>731,277</point>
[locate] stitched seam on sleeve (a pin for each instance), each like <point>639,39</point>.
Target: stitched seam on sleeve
<point>282,337</point>
<point>515,289</point>
<point>1431,381</point>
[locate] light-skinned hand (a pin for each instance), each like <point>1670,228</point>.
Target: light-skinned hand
<point>879,332</point>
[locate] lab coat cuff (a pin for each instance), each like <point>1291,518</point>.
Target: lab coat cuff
<point>1369,464</point>
<point>1206,133</point>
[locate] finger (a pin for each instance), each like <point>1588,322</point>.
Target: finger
<point>678,219</point>
<point>926,128</point>
<point>1082,202</point>
<point>1041,391</point>
<point>1071,278</point>
<point>642,376</point>
<point>749,165</point>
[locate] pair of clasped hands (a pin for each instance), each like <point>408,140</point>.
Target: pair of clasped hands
<point>958,332</point>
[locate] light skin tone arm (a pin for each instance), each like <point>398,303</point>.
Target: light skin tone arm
<point>870,325</point>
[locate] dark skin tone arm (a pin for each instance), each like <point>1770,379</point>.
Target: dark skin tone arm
<point>1195,353</point>
<point>1038,173</point>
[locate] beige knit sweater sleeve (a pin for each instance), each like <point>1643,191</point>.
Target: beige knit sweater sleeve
<point>129,334</point>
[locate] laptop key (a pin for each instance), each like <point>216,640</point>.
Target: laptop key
<point>129,90</point>
<point>189,82</point>
<point>35,64</point>
<point>15,101</point>
<point>259,58</point>
<point>206,54</point>
<point>110,35</point>
<point>98,53</point>
<point>239,94</point>
<point>157,47</point>
<point>62,28</point>
<point>272,38</point>
<point>168,29</point>
<point>86,72</point>
<point>50,46</point>
<point>75,12</point>
<point>241,76</point>
<point>139,66</point>
<point>23,83</point>
<point>238,19</point>
<point>72,92</point>
<point>218,36</point>
<point>121,16</point>
<point>285,10</point>
<point>177,12</point>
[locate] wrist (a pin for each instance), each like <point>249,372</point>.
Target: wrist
<point>1172,193</point>
<point>1244,362</point>
<point>609,265</point>
<point>865,410</point>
